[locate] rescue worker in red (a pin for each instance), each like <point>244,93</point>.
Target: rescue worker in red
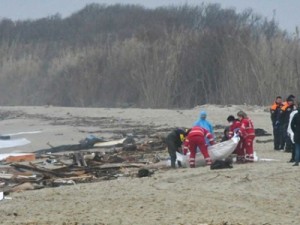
<point>247,134</point>
<point>234,127</point>
<point>277,127</point>
<point>196,138</point>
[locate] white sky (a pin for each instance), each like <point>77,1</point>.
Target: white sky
<point>287,11</point>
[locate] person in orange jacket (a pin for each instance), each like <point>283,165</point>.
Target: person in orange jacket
<point>196,138</point>
<point>277,126</point>
<point>247,134</point>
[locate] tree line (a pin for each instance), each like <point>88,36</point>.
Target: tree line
<point>131,56</point>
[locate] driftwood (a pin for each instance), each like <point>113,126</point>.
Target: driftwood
<point>79,159</point>
<point>45,172</point>
<point>63,168</point>
<point>24,187</point>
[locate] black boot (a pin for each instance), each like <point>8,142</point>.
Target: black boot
<point>179,164</point>
<point>291,160</point>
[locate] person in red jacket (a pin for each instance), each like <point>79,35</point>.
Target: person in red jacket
<point>234,127</point>
<point>247,134</point>
<point>196,138</point>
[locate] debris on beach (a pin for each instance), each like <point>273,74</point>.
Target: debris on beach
<point>82,163</point>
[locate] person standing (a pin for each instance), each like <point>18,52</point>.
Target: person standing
<point>196,138</point>
<point>202,122</point>
<point>291,133</point>
<point>277,127</point>
<point>234,127</point>
<point>174,142</point>
<point>284,116</point>
<point>247,134</point>
<point>295,126</point>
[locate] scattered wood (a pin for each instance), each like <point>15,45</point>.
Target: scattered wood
<point>79,159</point>
<point>24,187</point>
<point>20,158</point>
<point>69,164</point>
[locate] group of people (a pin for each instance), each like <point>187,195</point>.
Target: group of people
<point>286,126</point>
<point>201,135</point>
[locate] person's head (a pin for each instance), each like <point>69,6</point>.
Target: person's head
<point>290,100</point>
<point>182,133</point>
<point>278,100</point>
<point>241,115</point>
<point>291,97</point>
<point>203,115</point>
<point>230,119</point>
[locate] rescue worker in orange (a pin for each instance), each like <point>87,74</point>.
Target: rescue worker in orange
<point>247,134</point>
<point>277,127</point>
<point>234,128</point>
<point>196,138</point>
<point>284,117</point>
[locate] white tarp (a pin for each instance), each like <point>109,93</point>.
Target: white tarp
<point>218,151</point>
<point>13,143</point>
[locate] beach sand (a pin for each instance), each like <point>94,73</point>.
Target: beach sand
<point>257,193</point>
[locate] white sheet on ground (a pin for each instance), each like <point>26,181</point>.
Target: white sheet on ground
<point>23,132</point>
<point>13,143</point>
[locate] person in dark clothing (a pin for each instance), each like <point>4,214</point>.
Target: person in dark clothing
<point>295,126</point>
<point>284,116</point>
<point>225,134</point>
<point>277,127</point>
<point>291,133</point>
<point>174,141</point>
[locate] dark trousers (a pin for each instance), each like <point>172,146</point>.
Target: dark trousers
<point>293,153</point>
<point>278,137</point>
<point>297,153</point>
<point>172,148</point>
<point>287,140</point>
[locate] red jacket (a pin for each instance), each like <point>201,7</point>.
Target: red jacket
<point>201,132</point>
<point>234,127</point>
<point>247,128</point>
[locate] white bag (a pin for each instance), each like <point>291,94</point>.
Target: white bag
<point>218,151</point>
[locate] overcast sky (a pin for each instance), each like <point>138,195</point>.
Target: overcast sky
<point>286,11</point>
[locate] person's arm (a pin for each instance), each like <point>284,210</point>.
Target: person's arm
<point>185,146</point>
<point>211,129</point>
<point>209,136</point>
<point>293,123</point>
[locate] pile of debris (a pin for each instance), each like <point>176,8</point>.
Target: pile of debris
<point>90,161</point>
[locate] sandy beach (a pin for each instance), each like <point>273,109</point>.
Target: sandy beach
<point>258,193</point>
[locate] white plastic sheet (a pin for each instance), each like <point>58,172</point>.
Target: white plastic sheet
<point>218,151</point>
<point>13,143</point>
